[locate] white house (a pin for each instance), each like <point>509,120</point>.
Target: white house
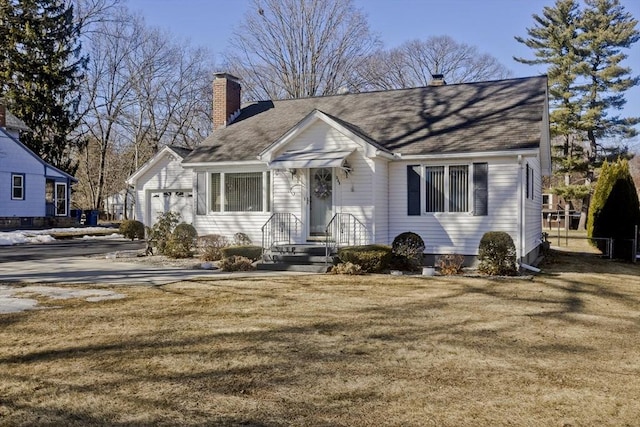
<point>449,162</point>
<point>163,185</point>
<point>119,206</point>
<point>32,192</point>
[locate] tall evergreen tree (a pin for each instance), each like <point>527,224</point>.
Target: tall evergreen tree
<point>606,29</point>
<point>40,68</point>
<point>553,41</point>
<point>583,49</point>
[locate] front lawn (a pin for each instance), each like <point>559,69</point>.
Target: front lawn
<point>561,349</point>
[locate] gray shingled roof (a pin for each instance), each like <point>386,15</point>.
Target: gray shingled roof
<point>473,117</point>
<point>15,123</point>
<point>181,151</point>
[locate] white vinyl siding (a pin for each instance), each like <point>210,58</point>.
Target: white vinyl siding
<point>445,233</point>
<point>166,175</point>
<point>533,208</point>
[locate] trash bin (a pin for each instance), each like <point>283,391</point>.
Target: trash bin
<point>91,217</point>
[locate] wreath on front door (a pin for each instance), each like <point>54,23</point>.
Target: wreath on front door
<point>322,184</point>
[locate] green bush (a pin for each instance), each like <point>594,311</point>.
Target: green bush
<point>159,234</point>
<point>182,242</point>
<point>252,252</point>
<point>370,258</point>
<point>408,251</point>
<point>211,247</point>
<point>132,229</point>
<point>347,268</point>
<point>236,263</point>
<point>614,209</point>
<point>497,254</point>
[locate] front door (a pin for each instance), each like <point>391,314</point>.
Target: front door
<point>320,200</point>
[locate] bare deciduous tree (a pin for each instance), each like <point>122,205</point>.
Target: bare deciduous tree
<point>142,90</point>
<point>414,62</point>
<point>299,48</point>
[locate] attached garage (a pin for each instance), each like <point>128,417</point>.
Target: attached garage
<point>163,185</point>
<point>181,201</point>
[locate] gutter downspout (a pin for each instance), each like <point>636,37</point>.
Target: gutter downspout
<point>519,247</point>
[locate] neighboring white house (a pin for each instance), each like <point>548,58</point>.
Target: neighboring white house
<point>116,205</point>
<point>449,162</point>
<point>32,192</point>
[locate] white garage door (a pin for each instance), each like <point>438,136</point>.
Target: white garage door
<point>180,201</point>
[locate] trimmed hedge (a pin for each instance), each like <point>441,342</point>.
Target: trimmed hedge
<point>252,252</point>
<point>370,258</point>
<point>408,251</point>
<point>497,254</point>
<point>182,242</point>
<point>132,229</point>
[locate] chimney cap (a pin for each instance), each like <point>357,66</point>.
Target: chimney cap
<point>437,80</point>
<point>228,76</point>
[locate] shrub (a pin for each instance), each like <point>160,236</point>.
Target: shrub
<point>241,239</point>
<point>450,264</point>
<point>236,263</point>
<point>408,251</point>
<point>132,229</point>
<point>182,241</point>
<point>211,246</point>
<point>497,254</point>
<point>347,268</point>
<point>614,209</point>
<point>370,258</point>
<point>159,234</point>
<point>252,252</point>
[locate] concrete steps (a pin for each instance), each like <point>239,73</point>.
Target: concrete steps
<point>305,258</point>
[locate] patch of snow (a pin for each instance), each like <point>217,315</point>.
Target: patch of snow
<point>12,300</point>
<point>9,238</point>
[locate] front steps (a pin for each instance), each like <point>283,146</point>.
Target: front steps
<point>308,258</point>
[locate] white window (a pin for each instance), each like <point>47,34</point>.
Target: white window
<point>447,188</point>
<point>61,199</point>
<point>240,192</point>
<point>17,187</point>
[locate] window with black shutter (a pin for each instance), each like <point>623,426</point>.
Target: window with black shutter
<point>413,190</point>
<point>480,189</point>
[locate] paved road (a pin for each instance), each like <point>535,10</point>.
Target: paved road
<point>66,248</point>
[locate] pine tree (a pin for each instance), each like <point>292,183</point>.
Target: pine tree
<point>553,41</point>
<point>606,29</point>
<point>583,48</point>
<point>40,68</point>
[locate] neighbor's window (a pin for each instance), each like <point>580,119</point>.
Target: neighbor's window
<point>61,199</point>
<point>240,192</point>
<point>17,187</point>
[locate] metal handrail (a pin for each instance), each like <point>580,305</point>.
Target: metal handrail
<point>344,229</point>
<point>279,228</point>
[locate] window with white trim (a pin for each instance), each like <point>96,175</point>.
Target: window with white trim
<point>61,199</point>
<point>447,188</point>
<point>17,186</point>
<point>237,192</point>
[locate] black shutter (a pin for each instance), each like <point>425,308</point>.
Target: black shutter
<point>480,189</point>
<point>413,190</point>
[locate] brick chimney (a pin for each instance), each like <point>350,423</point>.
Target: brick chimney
<point>3,115</point>
<point>437,80</point>
<point>226,99</point>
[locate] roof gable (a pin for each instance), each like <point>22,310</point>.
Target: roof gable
<point>178,153</point>
<point>369,146</point>
<point>461,118</point>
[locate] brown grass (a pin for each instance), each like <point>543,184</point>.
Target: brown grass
<point>561,349</point>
